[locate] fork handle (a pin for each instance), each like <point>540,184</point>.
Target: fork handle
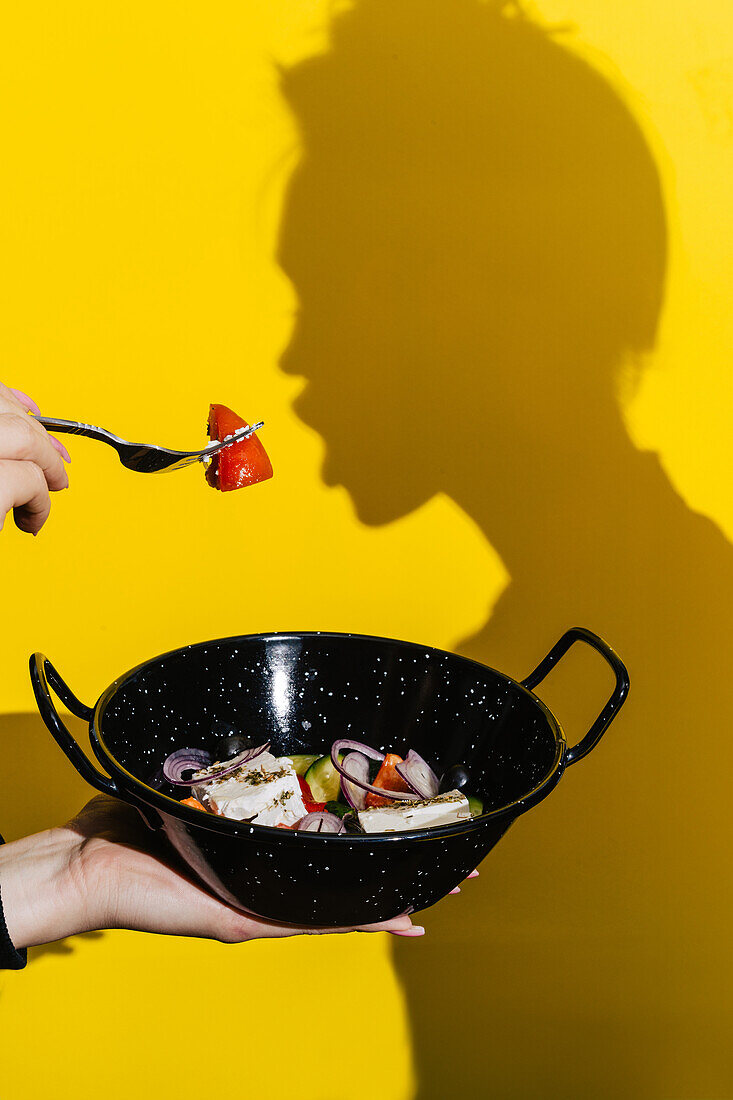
<point>74,427</point>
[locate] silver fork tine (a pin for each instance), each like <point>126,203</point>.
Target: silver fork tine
<point>220,444</point>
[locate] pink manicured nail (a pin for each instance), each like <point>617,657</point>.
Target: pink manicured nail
<point>60,448</point>
<point>474,874</point>
<point>455,890</point>
<point>26,400</point>
<point>416,930</point>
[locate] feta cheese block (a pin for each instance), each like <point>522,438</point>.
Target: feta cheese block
<point>444,809</point>
<point>264,790</point>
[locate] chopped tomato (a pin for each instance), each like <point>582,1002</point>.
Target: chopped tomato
<point>244,463</point>
<point>310,806</point>
<point>389,779</point>
<point>282,825</point>
<point>195,803</point>
<point>305,789</point>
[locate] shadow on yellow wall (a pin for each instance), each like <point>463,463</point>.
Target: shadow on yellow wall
<point>476,235</point>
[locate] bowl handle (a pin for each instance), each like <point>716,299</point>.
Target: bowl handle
<point>612,707</point>
<point>44,677</point>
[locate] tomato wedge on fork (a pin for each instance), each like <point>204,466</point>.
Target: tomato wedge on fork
<point>244,463</point>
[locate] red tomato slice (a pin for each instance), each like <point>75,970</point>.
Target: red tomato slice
<point>244,463</point>
<point>389,778</point>
<point>310,806</point>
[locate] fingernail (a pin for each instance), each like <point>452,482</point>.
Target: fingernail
<point>474,874</point>
<point>455,890</point>
<point>60,448</point>
<point>416,930</point>
<point>26,399</point>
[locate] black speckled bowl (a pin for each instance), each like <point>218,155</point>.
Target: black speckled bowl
<point>302,691</point>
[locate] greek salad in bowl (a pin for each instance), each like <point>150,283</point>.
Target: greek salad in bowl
<point>353,789</point>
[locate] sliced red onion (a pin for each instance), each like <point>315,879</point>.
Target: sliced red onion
<point>356,764</point>
<point>320,822</point>
<point>216,771</point>
<point>197,759</point>
<point>418,775</point>
<point>184,760</point>
<point>366,750</point>
<point>340,746</point>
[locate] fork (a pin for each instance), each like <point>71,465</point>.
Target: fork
<point>145,458</point>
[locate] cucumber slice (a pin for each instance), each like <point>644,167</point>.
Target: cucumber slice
<point>475,805</point>
<point>323,779</point>
<point>302,762</point>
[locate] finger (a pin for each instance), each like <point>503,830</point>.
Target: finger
<point>23,488</point>
<point>455,890</point>
<point>398,926</point>
<point>10,402</point>
<point>14,400</point>
<point>58,445</point>
<point>255,928</point>
<point>26,401</point>
<point>401,924</point>
<point>23,440</point>
<point>474,874</point>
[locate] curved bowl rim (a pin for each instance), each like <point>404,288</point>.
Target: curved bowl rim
<point>229,827</point>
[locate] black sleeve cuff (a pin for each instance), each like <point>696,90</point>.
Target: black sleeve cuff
<point>10,958</point>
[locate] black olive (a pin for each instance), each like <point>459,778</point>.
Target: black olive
<point>374,766</point>
<point>229,743</point>
<point>456,778</point>
<point>234,744</point>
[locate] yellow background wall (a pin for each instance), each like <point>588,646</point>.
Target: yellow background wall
<point>147,153</point>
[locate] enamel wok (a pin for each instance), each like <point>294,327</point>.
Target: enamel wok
<point>301,691</point>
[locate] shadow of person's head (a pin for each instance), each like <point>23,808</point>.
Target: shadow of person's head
<point>476,237</point>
